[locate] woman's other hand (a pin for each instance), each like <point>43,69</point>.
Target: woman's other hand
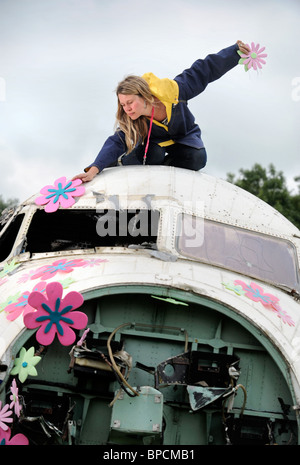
<point>243,47</point>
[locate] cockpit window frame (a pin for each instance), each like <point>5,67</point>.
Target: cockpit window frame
<point>9,234</point>
<point>248,240</point>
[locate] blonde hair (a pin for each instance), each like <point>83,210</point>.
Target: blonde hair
<point>134,130</point>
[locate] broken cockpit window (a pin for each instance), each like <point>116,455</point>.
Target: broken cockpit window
<point>85,229</point>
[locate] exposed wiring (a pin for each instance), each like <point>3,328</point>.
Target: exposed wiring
<point>234,389</point>
<point>115,367</point>
<point>111,357</point>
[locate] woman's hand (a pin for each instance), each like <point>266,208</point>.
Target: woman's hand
<point>243,47</point>
<point>88,176</point>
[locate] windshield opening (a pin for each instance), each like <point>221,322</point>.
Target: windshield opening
<point>85,229</point>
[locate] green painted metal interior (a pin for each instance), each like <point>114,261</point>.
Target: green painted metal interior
<point>76,405</point>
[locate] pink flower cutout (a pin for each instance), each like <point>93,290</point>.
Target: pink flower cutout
<point>59,266</point>
<point>21,306</point>
<point>61,194</point>
<point>17,440</point>
<point>2,281</point>
<point>4,414</point>
<point>55,315</point>
<point>256,293</point>
<point>286,318</point>
<point>26,277</point>
<point>94,261</point>
<point>15,398</point>
<point>254,58</point>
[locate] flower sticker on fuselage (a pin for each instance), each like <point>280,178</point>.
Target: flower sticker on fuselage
<point>60,195</point>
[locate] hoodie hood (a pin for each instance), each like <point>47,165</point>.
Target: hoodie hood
<point>166,90</point>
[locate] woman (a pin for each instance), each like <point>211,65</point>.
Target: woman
<point>154,124</point>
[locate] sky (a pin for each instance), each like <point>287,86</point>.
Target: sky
<point>61,61</point>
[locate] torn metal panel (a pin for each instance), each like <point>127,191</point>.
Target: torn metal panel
<point>200,396</point>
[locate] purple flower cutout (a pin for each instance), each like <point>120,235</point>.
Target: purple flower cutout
<point>254,58</point>
<point>55,315</point>
<point>61,194</point>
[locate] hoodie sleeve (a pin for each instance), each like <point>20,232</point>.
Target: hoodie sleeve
<point>112,149</point>
<point>194,80</point>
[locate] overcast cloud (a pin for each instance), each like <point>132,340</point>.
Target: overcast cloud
<point>61,61</point>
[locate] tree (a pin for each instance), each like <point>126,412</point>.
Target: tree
<point>270,186</point>
<point>7,203</point>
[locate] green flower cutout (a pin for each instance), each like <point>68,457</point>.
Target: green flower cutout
<point>67,282</point>
<point>25,364</point>
<point>237,289</point>
<point>12,299</point>
<point>9,267</point>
